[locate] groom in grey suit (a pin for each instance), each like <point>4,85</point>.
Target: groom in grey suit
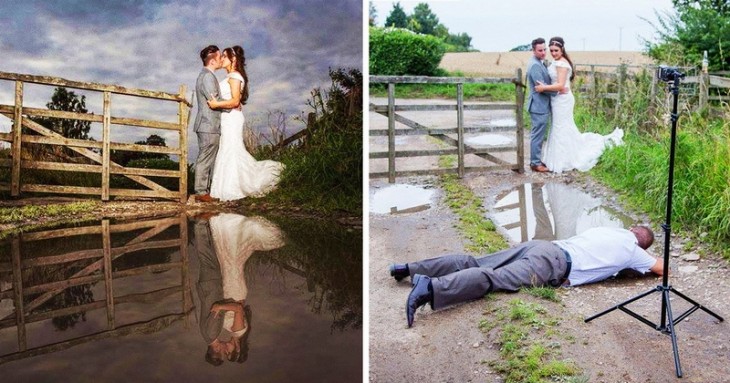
<point>207,122</point>
<point>538,104</point>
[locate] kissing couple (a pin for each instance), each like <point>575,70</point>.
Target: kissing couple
<point>225,170</point>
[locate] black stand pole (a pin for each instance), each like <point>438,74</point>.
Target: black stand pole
<point>667,321</point>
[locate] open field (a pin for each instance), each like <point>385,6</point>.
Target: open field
<point>504,64</point>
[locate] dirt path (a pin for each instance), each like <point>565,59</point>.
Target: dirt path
<point>447,345</point>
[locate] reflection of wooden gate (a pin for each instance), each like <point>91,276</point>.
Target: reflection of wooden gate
<point>460,149</point>
<point>97,268</point>
<point>22,116</point>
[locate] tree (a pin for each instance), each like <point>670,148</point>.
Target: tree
<point>697,26</point>
<point>67,101</point>
<point>397,17</point>
<point>123,157</point>
<point>427,20</point>
<point>373,14</point>
<point>461,41</point>
<point>522,48</point>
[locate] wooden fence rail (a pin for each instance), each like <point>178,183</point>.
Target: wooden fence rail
<point>140,235</point>
<point>460,149</point>
<point>98,153</point>
<point>707,86</point>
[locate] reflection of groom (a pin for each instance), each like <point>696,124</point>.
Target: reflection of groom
<point>538,104</point>
<point>207,122</point>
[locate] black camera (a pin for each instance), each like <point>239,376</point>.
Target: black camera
<point>668,73</point>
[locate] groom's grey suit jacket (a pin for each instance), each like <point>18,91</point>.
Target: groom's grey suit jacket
<point>207,120</point>
<point>537,102</point>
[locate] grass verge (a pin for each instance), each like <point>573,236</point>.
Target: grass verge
<point>31,217</point>
<point>529,341</point>
<point>473,224</point>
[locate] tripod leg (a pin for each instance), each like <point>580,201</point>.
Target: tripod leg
<point>703,308</point>
<point>624,303</point>
<point>670,329</point>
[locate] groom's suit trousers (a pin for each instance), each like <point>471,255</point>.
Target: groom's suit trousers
<point>462,278</point>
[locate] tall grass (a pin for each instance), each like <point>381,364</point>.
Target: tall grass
<point>639,169</point>
<point>324,172</point>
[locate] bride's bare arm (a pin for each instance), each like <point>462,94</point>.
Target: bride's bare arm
<point>558,85</point>
<point>235,100</point>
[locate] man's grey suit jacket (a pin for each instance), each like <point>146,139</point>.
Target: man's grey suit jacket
<point>537,102</point>
<point>207,120</point>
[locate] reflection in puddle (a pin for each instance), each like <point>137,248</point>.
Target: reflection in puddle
<point>170,298</point>
<point>489,140</point>
<point>400,198</point>
<point>552,211</point>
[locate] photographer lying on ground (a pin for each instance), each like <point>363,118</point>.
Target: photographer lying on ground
<point>594,255</point>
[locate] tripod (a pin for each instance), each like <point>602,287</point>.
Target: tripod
<point>667,321</point>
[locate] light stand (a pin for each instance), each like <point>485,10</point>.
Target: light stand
<point>667,322</point>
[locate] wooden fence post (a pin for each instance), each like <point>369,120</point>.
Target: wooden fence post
<point>183,118</point>
<point>621,78</point>
<point>460,128</point>
<point>107,251</point>
<point>704,89</point>
<point>594,82</point>
<point>18,294</point>
<point>519,121</point>
<point>17,140</point>
<point>391,132</point>
<point>105,154</point>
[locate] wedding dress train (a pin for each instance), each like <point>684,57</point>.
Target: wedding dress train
<point>236,173</point>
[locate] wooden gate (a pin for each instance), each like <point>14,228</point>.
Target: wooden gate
<point>460,149</point>
<point>98,152</point>
<point>86,264</point>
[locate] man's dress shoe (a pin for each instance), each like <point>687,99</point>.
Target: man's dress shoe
<point>421,294</point>
<point>399,271</point>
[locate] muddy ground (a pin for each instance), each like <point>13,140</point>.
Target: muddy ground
<point>448,346</point>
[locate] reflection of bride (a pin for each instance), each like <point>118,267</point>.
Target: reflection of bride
<point>574,211</point>
<point>235,238</point>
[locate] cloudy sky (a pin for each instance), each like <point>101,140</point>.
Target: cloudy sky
<point>155,45</point>
<point>500,25</point>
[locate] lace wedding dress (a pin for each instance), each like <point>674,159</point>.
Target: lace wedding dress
<point>236,173</point>
<point>567,148</point>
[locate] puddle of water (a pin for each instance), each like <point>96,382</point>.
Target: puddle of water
<point>552,211</point>
<point>299,283</point>
<point>400,198</point>
<point>489,140</point>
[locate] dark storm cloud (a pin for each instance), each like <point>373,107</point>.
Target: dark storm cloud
<point>290,45</point>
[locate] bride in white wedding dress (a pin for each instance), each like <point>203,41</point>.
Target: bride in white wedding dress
<point>567,148</point>
<point>236,173</point>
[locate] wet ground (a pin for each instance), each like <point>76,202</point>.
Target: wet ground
<point>448,346</point>
<point>148,317</point>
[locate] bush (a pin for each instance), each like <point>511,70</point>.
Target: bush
<point>396,52</point>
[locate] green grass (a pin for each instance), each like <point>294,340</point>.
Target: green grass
<point>473,224</point>
<point>546,293</point>
<point>474,92</point>
<point>701,191</point>
<point>524,354</point>
<point>32,217</point>
<point>34,212</point>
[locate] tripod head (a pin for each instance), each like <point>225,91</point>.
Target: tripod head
<point>670,75</point>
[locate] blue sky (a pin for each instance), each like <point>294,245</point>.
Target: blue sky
<point>500,25</point>
<point>154,44</point>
